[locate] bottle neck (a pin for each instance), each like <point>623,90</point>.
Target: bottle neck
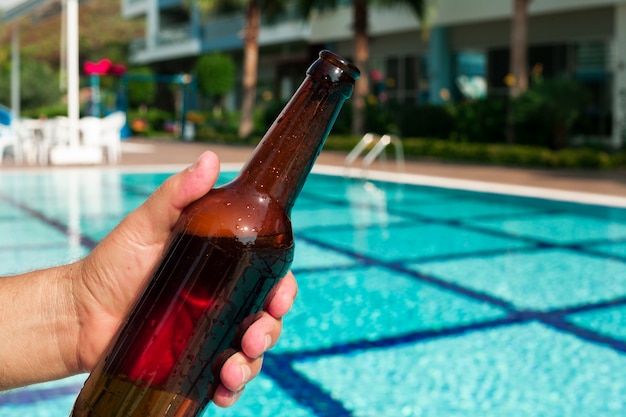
<point>285,156</point>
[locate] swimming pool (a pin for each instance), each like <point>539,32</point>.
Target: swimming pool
<point>414,300</point>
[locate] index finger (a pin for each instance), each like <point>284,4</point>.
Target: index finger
<point>281,299</point>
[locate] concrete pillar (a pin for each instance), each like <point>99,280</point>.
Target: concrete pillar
<point>439,66</point>
<point>15,72</point>
<point>152,25</point>
<point>73,71</point>
<point>619,77</point>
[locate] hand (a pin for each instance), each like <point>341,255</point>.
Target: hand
<point>114,273</point>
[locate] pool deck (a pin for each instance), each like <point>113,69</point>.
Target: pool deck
<point>604,182</point>
<point>149,152</point>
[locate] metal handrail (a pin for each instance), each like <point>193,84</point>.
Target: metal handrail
<point>365,141</point>
<point>381,143</point>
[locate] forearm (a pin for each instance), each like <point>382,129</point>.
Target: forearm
<point>38,327</point>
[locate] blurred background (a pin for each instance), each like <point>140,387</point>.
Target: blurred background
<point>497,81</point>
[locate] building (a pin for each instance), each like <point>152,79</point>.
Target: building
<point>469,41</point>
<point>466,53</point>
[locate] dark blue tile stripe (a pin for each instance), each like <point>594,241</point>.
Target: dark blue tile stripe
<point>550,318</point>
<point>304,392</point>
<point>461,224</point>
<point>430,279</point>
<point>61,227</point>
<point>27,396</point>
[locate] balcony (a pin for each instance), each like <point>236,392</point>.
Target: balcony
<point>174,41</point>
<point>134,8</point>
<point>222,33</point>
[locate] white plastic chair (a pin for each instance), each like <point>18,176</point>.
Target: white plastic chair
<point>91,131</point>
<point>31,136</point>
<point>111,135</point>
<point>54,133</point>
<point>58,131</point>
<point>10,140</point>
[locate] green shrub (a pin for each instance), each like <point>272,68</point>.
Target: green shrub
<point>430,121</point>
<point>141,90</point>
<point>47,112</point>
<point>547,111</point>
<point>155,118</point>
<point>39,85</point>
<point>216,73</point>
<point>482,121</point>
<point>379,119</point>
<point>496,154</point>
<point>270,112</point>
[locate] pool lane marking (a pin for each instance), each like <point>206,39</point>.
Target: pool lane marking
<point>492,300</point>
<point>576,246</point>
<point>30,395</point>
<point>55,224</point>
<point>307,393</point>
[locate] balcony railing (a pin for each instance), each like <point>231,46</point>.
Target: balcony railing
<point>175,34</point>
<point>223,32</point>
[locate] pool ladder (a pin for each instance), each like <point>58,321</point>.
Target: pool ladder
<point>380,144</point>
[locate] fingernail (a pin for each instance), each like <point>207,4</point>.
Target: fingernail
<point>194,166</point>
<point>245,371</point>
<point>268,341</point>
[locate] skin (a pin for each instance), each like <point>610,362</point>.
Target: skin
<point>57,322</point>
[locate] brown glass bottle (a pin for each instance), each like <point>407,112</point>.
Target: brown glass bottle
<point>225,254</point>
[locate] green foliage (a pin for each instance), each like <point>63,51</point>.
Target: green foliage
<point>271,8</point>
<point>141,92</point>
<point>48,112</point>
<point>426,121</point>
<point>216,74</point>
<point>155,118</point>
<point>39,85</point>
<point>378,119</point>
<point>271,111</point>
<point>495,154</point>
<point>546,112</point>
<point>481,120</point>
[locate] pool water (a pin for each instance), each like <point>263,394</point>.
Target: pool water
<point>413,300</point>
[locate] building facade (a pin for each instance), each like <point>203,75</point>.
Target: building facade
<point>466,52</point>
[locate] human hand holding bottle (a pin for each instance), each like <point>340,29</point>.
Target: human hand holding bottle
<point>117,269</point>
<point>225,255</point>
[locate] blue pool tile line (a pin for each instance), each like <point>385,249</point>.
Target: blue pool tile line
<point>54,223</point>
<point>593,321</point>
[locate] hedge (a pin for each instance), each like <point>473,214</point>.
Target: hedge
<point>496,154</point>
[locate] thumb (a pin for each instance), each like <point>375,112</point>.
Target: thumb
<point>165,205</point>
<point>151,223</point>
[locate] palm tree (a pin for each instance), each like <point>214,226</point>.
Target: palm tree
<point>361,44</point>
<point>252,12</point>
<point>519,48</point>
<point>518,68</point>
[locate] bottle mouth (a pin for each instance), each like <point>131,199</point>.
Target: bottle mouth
<point>340,62</point>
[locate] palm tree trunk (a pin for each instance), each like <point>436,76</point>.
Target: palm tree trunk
<point>519,62</point>
<point>250,67</point>
<point>361,58</point>
<point>519,47</point>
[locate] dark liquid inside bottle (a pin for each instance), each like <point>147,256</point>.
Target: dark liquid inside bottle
<point>177,358</point>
